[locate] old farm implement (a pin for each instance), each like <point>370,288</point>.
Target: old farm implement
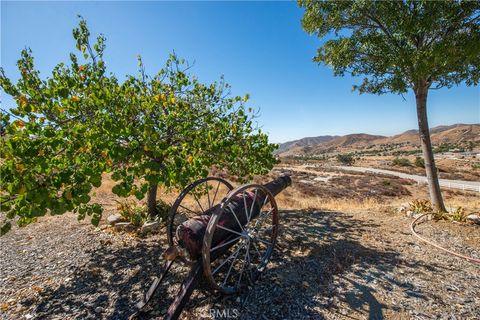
<point>226,235</point>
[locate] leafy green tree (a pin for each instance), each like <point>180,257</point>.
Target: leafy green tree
<point>401,162</point>
<point>400,46</point>
<point>419,162</point>
<point>346,159</point>
<point>69,129</point>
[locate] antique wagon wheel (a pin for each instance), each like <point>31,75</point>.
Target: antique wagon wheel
<point>196,199</point>
<point>246,245</point>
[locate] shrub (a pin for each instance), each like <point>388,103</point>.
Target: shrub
<point>458,215</point>
<point>134,214</point>
<point>419,162</point>
<point>420,206</point>
<point>402,162</point>
<point>163,209</point>
<point>346,159</point>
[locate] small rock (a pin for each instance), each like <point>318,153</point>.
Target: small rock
<point>115,218</point>
<point>416,215</point>
<point>28,316</point>
<point>98,309</point>
<point>150,227</point>
<point>124,226</point>
<point>409,213</point>
<point>473,218</point>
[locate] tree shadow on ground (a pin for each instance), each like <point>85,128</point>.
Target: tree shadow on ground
<point>106,287</point>
<point>321,264</point>
<point>314,251</point>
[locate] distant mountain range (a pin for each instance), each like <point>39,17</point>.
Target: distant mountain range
<point>454,134</point>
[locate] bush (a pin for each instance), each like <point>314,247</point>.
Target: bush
<point>402,162</point>
<point>419,162</point>
<point>420,206</point>
<point>346,159</point>
<point>163,209</point>
<point>134,214</point>
<point>458,215</point>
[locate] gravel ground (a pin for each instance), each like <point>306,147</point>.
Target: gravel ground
<point>327,265</point>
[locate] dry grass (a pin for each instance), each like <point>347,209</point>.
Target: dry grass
<point>344,192</point>
<point>318,203</point>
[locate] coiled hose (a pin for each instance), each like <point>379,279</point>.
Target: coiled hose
<point>412,228</point>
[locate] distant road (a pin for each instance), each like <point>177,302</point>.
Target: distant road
<point>455,184</point>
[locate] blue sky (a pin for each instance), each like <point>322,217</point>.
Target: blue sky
<point>259,47</point>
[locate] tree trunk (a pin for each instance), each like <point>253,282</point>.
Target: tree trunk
<point>152,200</point>
<point>431,170</point>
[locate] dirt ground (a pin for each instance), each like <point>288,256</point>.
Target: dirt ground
<point>340,255</point>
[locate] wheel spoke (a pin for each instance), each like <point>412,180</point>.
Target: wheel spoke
<point>233,213</point>
<point>245,205</point>
<point>196,199</point>
<point>241,273</point>
<point>231,266</point>
<point>216,191</point>
<point>253,204</point>
<point>249,269</point>
<point>256,249</point>
<point>208,195</point>
<point>224,244</point>
<point>196,213</point>
<point>229,230</point>
<point>265,201</point>
<point>226,260</point>
<point>262,218</point>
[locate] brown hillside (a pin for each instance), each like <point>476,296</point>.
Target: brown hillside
<point>454,134</point>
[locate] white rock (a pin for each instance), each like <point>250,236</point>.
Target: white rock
<point>115,218</point>
<point>409,213</point>
<point>474,218</point>
<point>124,226</point>
<point>416,215</point>
<point>28,316</point>
<point>150,227</point>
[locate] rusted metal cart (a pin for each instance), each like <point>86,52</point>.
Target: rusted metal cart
<point>227,235</point>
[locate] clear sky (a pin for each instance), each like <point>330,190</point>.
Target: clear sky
<point>259,47</point>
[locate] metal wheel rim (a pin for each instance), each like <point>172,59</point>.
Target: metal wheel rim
<point>174,209</point>
<point>212,225</point>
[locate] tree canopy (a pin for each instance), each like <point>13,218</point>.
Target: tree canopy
<point>397,44</point>
<point>70,128</point>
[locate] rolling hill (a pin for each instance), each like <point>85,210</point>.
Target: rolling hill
<point>459,134</point>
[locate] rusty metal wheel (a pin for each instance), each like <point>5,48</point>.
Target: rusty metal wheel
<point>198,198</point>
<point>240,238</point>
